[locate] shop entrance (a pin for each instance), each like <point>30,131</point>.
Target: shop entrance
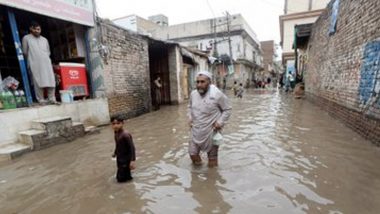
<point>66,41</point>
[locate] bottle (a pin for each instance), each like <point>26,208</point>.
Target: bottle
<point>4,99</point>
<point>24,103</point>
<point>17,97</point>
<point>1,101</point>
<point>11,100</point>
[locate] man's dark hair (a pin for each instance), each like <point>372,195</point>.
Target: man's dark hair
<point>34,24</point>
<point>118,117</point>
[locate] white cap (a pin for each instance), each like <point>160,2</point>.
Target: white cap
<point>205,73</point>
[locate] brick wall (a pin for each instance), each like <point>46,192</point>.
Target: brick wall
<point>126,73</point>
<point>268,51</point>
<point>342,71</point>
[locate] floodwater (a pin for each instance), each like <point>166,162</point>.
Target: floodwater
<point>282,156</point>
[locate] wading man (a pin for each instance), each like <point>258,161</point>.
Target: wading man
<point>208,112</point>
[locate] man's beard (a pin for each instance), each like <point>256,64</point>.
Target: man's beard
<point>201,91</point>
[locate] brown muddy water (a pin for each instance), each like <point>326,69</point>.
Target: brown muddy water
<point>282,156</point>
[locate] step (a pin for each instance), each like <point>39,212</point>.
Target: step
<point>55,134</point>
<point>30,136</point>
<point>91,130</point>
<point>42,124</point>
<point>13,150</point>
<point>78,129</point>
<point>54,126</point>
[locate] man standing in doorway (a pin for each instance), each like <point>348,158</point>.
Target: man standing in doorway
<point>208,112</point>
<point>37,52</point>
<point>157,92</point>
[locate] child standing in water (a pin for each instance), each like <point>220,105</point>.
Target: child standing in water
<point>124,150</point>
<point>240,91</point>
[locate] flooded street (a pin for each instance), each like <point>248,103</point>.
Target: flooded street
<point>282,156</point>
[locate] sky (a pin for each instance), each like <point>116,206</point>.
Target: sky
<point>261,15</point>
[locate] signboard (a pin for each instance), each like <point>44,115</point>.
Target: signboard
<point>78,11</point>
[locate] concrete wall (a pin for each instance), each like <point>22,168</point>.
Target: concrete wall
<point>175,67</point>
<point>201,64</point>
<point>89,112</point>
<point>136,24</point>
<point>145,26</point>
<point>241,48</point>
<point>319,4</point>
<point>242,73</point>
<point>126,72</point>
<point>289,32</point>
<point>128,22</point>
<point>295,6</point>
<point>343,69</point>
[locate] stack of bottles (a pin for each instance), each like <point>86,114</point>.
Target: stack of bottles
<point>12,99</point>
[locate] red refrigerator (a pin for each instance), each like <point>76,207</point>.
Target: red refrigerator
<point>72,76</point>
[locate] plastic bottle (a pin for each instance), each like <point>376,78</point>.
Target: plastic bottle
<point>1,100</point>
<point>4,99</point>
<point>24,103</point>
<point>17,97</point>
<point>11,100</point>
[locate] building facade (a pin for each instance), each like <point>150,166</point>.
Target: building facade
<point>270,64</point>
<point>229,36</point>
<point>296,12</point>
<point>136,24</point>
<point>212,35</point>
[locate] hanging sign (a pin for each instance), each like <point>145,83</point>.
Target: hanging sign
<point>77,11</point>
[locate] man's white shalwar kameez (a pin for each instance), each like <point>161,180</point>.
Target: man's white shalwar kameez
<point>204,111</point>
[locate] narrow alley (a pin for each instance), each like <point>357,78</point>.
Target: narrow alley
<point>282,156</point>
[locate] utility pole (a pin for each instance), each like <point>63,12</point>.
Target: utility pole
<point>229,42</point>
<point>229,34</point>
<point>215,49</point>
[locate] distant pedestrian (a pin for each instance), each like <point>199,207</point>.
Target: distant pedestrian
<point>234,88</point>
<point>240,91</point>
<point>290,82</point>
<point>224,84</point>
<point>124,150</point>
<point>281,80</point>
<point>209,110</point>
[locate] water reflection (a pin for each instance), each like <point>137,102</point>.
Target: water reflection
<point>206,187</point>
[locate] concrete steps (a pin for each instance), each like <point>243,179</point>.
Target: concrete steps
<point>44,133</point>
<point>13,150</point>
